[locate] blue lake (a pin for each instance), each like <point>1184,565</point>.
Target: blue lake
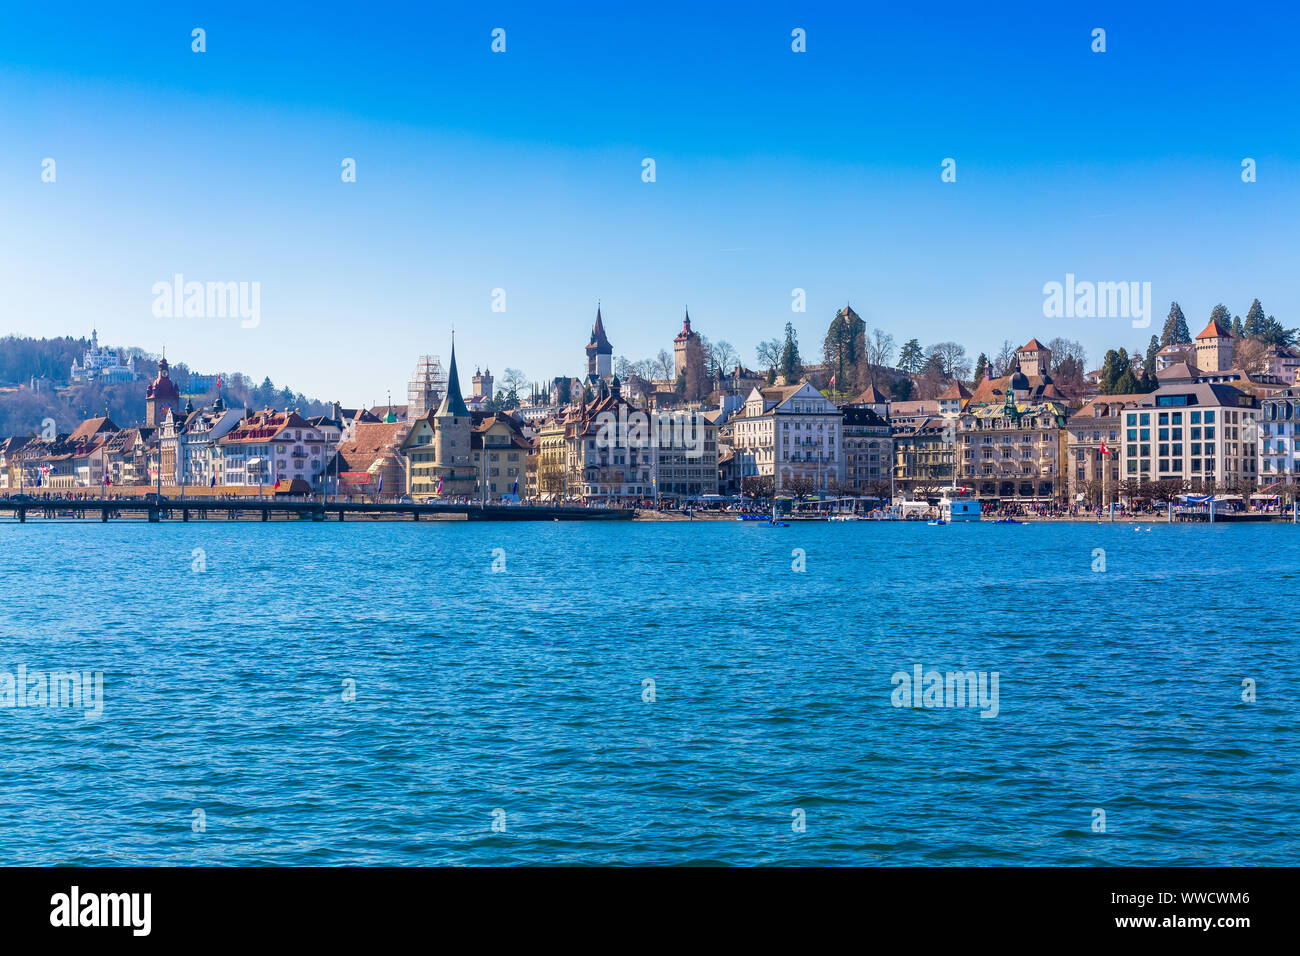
<point>771,738</point>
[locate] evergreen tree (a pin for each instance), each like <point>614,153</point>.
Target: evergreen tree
<point>1237,330</point>
<point>912,357</point>
<point>1221,315</point>
<point>1272,333</point>
<point>1254,319</point>
<point>1175,331</point>
<point>1149,381</point>
<point>1112,370</point>
<point>981,366</point>
<point>1128,384</point>
<point>791,366</point>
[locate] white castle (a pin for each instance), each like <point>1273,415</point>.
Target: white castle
<point>102,365</point>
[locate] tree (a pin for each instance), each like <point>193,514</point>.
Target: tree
<point>1238,331</point>
<point>724,356</point>
<point>1254,324</point>
<point>1128,384</point>
<point>912,357</point>
<point>901,390</point>
<point>1250,354</point>
<point>1221,315</point>
<point>880,349</point>
<point>663,365</point>
<point>843,347</point>
<point>791,366</point>
<point>768,354</point>
<point>1274,334</point>
<point>950,359</point>
<point>1063,350</point>
<point>1149,382</point>
<point>1175,331</point>
<point>1005,360</point>
<point>1112,370</point>
<point>981,366</point>
<point>514,381</point>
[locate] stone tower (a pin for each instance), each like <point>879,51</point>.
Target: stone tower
<point>600,354</point>
<point>1214,348</point>
<point>483,383</point>
<point>1034,358</point>
<point>451,432</point>
<point>686,349</point>
<point>160,395</point>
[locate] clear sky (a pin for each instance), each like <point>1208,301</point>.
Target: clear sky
<point>523,171</point>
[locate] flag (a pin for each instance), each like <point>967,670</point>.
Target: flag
<point>832,384</point>
<point>107,480</point>
<point>218,382</point>
<point>514,489</point>
<point>380,486</point>
<point>438,490</point>
<point>1105,452</point>
<point>212,482</point>
<point>277,482</point>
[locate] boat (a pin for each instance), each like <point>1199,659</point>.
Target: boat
<point>959,504</point>
<point>937,521</point>
<point>843,518</point>
<point>1007,521</point>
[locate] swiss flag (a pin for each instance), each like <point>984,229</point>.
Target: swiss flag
<point>1105,452</point>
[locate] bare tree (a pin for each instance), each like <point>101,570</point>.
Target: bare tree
<point>1064,349</point>
<point>725,357</point>
<point>950,359</point>
<point>880,348</point>
<point>664,364</point>
<point>1250,354</point>
<point>1004,359</point>
<point>514,381</point>
<point>768,354</point>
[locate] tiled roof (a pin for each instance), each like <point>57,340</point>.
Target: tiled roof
<point>1215,330</point>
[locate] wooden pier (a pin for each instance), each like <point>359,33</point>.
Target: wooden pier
<point>199,509</point>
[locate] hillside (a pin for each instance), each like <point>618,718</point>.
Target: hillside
<point>49,362</point>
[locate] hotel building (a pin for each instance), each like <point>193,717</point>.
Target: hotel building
<point>1199,432</point>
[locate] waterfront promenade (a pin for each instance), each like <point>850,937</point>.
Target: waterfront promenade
<point>265,509</point>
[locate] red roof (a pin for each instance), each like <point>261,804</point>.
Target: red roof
<point>1215,330</point>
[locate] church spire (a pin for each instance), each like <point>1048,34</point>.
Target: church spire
<point>453,403</point>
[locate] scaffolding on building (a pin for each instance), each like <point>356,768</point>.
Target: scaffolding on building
<point>427,386</point>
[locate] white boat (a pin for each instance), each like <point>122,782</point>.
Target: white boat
<point>959,504</point>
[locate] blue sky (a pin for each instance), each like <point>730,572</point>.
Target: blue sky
<point>522,171</point>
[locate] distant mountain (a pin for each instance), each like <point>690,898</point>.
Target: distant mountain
<point>46,364</point>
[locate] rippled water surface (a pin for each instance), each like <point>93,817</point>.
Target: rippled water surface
<point>522,691</point>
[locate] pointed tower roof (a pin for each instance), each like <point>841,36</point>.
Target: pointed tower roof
<point>1215,330</point>
<point>453,405</point>
<point>599,344</point>
<point>685,335</point>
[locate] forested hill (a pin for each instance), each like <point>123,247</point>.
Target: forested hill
<point>36,383</point>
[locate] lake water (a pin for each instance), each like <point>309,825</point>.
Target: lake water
<point>520,698</point>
